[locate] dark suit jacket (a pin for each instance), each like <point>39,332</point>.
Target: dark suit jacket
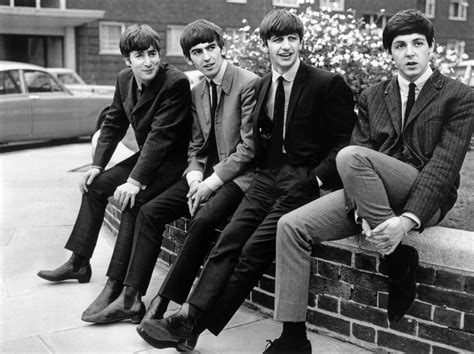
<point>319,120</point>
<point>161,120</point>
<point>233,127</point>
<point>435,139</point>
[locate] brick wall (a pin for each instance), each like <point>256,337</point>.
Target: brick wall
<point>348,296</point>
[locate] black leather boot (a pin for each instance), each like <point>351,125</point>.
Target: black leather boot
<point>110,292</point>
<point>77,267</point>
<point>401,269</point>
<point>157,308</point>
<point>128,306</point>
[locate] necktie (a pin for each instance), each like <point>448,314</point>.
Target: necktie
<point>212,157</point>
<point>410,101</point>
<point>213,100</point>
<point>276,145</point>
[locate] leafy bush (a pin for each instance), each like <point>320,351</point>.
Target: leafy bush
<point>337,42</point>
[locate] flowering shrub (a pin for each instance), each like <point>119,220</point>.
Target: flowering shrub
<point>337,42</point>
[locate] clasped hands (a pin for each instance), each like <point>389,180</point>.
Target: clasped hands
<point>387,235</point>
<point>199,192</point>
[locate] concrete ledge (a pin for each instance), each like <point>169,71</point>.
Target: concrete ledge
<point>438,246</point>
<point>348,290</point>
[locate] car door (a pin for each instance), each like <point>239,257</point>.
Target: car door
<point>15,110</point>
<point>54,110</point>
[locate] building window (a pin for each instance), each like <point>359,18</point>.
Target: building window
<point>331,5</point>
<point>430,8</point>
<point>109,37</point>
<point>378,20</point>
<point>286,3</point>
<point>457,46</point>
<point>458,10</point>
<point>237,1</point>
<point>173,34</point>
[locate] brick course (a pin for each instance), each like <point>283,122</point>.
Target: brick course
<point>351,301</point>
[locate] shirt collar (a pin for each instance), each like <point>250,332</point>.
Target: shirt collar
<point>220,75</point>
<point>289,75</point>
<point>420,82</point>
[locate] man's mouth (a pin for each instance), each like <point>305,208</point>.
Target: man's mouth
<point>412,63</point>
<point>208,66</point>
<point>285,55</point>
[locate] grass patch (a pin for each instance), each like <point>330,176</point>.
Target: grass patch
<point>462,214</point>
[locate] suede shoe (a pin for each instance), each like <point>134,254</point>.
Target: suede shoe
<point>128,306</point>
<point>288,345</point>
<point>110,292</point>
<point>68,271</point>
<point>176,328</point>
<point>401,268</point>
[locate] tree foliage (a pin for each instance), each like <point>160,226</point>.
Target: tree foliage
<point>337,42</point>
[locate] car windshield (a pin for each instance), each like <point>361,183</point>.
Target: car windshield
<point>69,79</point>
<point>39,81</point>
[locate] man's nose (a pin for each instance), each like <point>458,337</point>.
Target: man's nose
<point>410,50</point>
<point>147,59</point>
<point>206,55</point>
<point>285,44</point>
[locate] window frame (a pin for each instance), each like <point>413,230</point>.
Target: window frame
<point>430,8</point>
<point>286,3</point>
<point>174,50</point>
<point>461,13</point>
<point>109,51</point>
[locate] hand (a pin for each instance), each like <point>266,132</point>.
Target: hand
<point>193,187</point>
<point>88,178</point>
<point>201,195</point>
<point>387,235</point>
<point>126,193</point>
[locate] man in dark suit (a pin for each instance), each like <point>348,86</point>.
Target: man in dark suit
<point>400,174</point>
<point>155,99</point>
<point>302,118</point>
<point>218,173</point>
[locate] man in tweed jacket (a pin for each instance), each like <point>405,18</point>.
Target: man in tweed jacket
<point>155,99</point>
<point>401,173</point>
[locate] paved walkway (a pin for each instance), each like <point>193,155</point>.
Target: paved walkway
<point>39,202</point>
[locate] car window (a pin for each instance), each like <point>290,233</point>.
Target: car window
<point>10,82</point>
<point>68,79</point>
<point>40,81</point>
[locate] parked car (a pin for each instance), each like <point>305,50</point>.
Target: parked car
<point>465,71</point>
<point>75,84</point>
<point>34,105</point>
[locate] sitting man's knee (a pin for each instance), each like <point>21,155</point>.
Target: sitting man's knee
<point>347,156</point>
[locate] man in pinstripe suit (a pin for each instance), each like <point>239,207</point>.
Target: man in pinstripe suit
<point>401,173</point>
<point>155,99</point>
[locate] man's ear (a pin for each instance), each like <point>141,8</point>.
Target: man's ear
<point>223,50</point>
<point>188,60</point>
<point>127,61</point>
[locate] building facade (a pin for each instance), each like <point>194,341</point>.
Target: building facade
<point>83,34</point>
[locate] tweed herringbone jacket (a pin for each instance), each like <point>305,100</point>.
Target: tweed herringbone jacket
<point>435,138</point>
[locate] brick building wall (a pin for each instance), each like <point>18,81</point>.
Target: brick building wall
<point>348,296</point>
<point>102,69</point>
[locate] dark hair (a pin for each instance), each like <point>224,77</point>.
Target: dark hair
<point>407,22</point>
<point>200,31</point>
<point>280,23</point>
<point>138,37</point>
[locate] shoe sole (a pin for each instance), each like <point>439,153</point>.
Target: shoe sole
<point>80,280</point>
<point>134,319</point>
<point>160,344</point>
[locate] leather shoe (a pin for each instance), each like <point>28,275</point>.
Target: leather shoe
<point>110,292</point>
<point>176,328</point>
<point>128,306</point>
<point>401,269</point>
<point>156,309</point>
<point>69,270</point>
<point>288,345</point>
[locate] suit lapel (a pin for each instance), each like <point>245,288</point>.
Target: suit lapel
<point>298,85</point>
<point>427,94</point>
<point>205,106</point>
<point>151,90</point>
<point>128,103</point>
<point>226,88</point>
<point>394,104</point>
